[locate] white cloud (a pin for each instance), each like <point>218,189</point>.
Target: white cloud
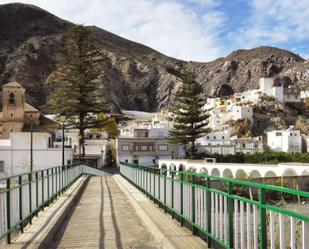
<point>275,22</point>
<point>168,26</point>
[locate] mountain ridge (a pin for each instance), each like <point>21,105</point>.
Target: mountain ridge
<point>134,76</point>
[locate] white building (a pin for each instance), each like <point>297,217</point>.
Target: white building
<point>218,119</point>
<point>143,139</point>
<point>222,143</point>
<point>249,145</point>
<point>289,140</point>
<point>15,153</point>
<point>290,94</point>
<point>242,112</point>
<point>96,146</point>
<point>249,96</point>
<point>215,138</point>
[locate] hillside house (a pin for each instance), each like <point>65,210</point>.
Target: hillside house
<point>143,139</point>
<point>288,140</point>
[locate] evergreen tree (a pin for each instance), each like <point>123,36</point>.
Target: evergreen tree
<point>76,90</point>
<point>189,117</point>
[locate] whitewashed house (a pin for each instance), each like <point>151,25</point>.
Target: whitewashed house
<point>96,146</point>
<point>15,153</point>
<point>222,143</point>
<point>249,145</point>
<point>289,140</point>
<point>242,112</point>
<point>143,139</point>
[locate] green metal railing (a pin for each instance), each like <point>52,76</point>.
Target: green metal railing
<point>231,213</point>
<point>23,196</point>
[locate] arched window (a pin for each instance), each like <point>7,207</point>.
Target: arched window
<point>12,98</point>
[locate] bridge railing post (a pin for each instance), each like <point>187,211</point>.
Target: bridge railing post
<point>193,204</point>
<point>30,197</point>
<point>164,178</point>
<point>181,199</point>
<point>20,181</point>
<point>172,194</point>
<point>263,225</point>
<point>36,192</point>
<point>8,210</point>
<point>230,206</point>
<point>208,211</point>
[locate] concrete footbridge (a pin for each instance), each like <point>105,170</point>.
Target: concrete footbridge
<point>78,206</point>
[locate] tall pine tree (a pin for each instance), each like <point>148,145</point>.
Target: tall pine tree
<point>190,119</point>
<point>76,90</point>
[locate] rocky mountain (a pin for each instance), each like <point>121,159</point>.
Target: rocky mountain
<point>133,76</point>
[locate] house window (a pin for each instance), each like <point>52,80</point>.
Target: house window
<point>214,137</point>
<point>144,148</point>
<point>125,147</point>
<point>207,137</point>
<point>243,145</point>
<point>1,166</point>
<point>222,137</point>
<point>278,134</point>
<point>162,147</point>
<point>98,136</point>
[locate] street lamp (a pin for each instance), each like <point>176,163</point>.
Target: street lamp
<point>62,119</point>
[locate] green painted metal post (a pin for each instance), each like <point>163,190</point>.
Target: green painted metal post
<point>52,174</point>
<point>36,192</point>
<point>193,204</point>
<point>20,182</point>
<point>154,185</point>
<point>181,199</point>
<point>42,177</point>
<point>172,192</point>
<point>159,187</point>
<point>30,197</point>
<point>208,211</point>
<point>8,210</point>
<point>164,175</point>
<point>230,206</point>
<point>263,225</point>
<point>48,195</point>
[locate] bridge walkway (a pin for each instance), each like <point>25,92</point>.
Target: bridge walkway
<point>103,218</point>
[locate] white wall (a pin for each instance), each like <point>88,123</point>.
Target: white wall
<point>277,92</point>
<point>286,141</point>
<point>158,132</point>
<point>242,112</point>
<point>16,156</point>
<point>18,161</point>
<point>266,85</point>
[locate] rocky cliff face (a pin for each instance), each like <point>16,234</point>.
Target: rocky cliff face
<point>134,76</point>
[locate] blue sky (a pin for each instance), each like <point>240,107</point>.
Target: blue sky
<point>199,30</point>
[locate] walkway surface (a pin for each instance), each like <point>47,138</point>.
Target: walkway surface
<point>103,218</point>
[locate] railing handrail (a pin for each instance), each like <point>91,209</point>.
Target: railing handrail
<point>227,180</point>
<point>42,170</point>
